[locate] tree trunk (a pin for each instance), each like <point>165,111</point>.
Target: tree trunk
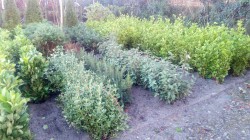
<point>61,12</point>
<point>3,4</point>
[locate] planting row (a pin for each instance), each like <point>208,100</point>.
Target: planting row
<point>168,81</point>
<point>89,101</point>
<point>213,51</point>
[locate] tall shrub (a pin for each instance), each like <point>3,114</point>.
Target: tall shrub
<point>11,15</point>
<point>70,15</point>
<point>33,12</point>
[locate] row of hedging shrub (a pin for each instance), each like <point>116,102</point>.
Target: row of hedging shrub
<point>111,73</point>
<point>14,119</point>
<point>169,82</point>
<point>212,50</point>
<point>31,66</point>
<point>89,101</point>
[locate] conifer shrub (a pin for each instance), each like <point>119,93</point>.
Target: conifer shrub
<point>33,12</point>
<point>70,14</point>
<point>11,15</point>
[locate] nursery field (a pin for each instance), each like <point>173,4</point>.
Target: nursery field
<point>121,76</point>
<point>212,111</point>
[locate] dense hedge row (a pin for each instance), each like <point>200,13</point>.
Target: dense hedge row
<point>14,119</point>
<point>111,73</point>
<point>169,82</point>
<point>212,50</point>
<point>89,101</point>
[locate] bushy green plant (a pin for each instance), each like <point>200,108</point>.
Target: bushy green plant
<point>33,12</point>
<point>33,67</point>
<point>11,15</point>
<point>168,81</point>
<point>88,103</point>
<point>45,36</point>
<point>14,119</point>
<point>97,11</point>
<point>70,14</point>
<point>116,75</point>
<point>213,50</point>
<point>85,36</point>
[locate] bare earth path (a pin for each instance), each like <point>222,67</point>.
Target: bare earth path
<point>212,111</point>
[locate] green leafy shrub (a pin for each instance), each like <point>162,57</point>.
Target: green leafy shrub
<point>14,119</point>
<point>88,103</point>
<point>213,50</point>
<point>116,75</point>
<point>97,11</point>
<point>33,67</point>
<point>85,36</point>
<point>97,100</point>
<point>168,81</point>
<point>45,36</point>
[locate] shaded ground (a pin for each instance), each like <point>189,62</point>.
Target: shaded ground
<point>212,111</point>
<point>47,123</point>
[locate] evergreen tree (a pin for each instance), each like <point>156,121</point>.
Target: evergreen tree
<point>70,16</point>
<point>33,12</point>
<point>11,15</point>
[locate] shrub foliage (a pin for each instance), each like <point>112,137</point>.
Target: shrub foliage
<point>213,50</point>
<point>88,103</point>
<point>168,81</point>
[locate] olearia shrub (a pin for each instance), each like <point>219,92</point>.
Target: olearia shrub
<point>213,51</point>
<point>168,81</point>
<point>87,102</point>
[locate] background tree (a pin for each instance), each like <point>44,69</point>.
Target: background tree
<point>11,15</point>
<point>33,12</point>
<point>70,15</point>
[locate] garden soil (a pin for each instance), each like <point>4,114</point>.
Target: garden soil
<point>212,111</point>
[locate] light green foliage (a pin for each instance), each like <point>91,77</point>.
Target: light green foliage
<point>212,50</point>
<point>88,103</point>
<point>33,12</point>
<point>116,75</point>
<point>45,36</point>
<point>97,11</point>
<point>14,119</point>
<point>33,67</point>
<point>168,81</point>
<point>70,15</point>
<point>85,36</point>
<point>11,15</point>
